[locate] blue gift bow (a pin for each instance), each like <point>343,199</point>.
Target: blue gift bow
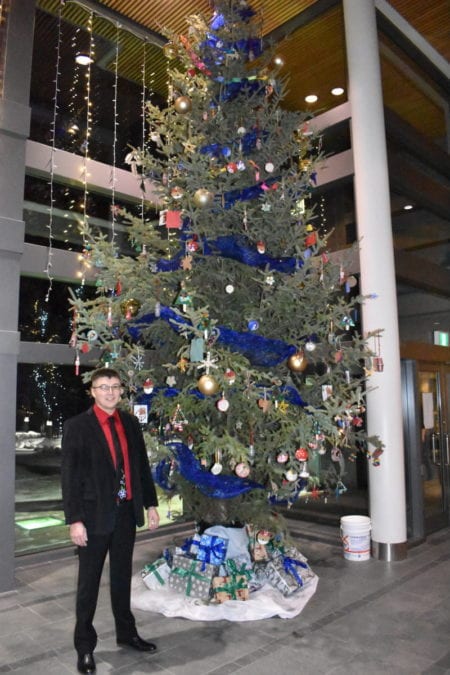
<point>289,566</point>
<point>186,547</point>
<point>217,547</point>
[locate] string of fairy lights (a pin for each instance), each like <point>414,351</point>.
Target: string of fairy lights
<point>48,268</point>
<point>114,144</point>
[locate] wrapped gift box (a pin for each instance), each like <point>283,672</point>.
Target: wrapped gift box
<point>212,549</point>
<point>258,551</point>
<point>241,566</point>
<point>191,577</point>
<point>156,574</point>
<point>232,587</point>
<point>289,574</point>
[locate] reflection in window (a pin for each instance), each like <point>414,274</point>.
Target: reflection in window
<point>47,321</point>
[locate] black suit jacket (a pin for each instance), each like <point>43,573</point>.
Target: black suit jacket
<point>88,474</point>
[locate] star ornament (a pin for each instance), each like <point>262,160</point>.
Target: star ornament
<point>186,262</point>
<point>283,407</point>
<point>189,147</point>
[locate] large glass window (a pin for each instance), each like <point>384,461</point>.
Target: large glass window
<point>48,394</point>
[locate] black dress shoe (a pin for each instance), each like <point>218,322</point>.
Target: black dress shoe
<point>138,643</point>
<point>86,663</point>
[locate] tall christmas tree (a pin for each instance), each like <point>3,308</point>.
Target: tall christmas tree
<point>232,328</point>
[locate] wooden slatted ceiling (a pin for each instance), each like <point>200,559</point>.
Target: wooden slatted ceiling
<point>431,18</point>
<point>172,13</point>
<point>314,54</point>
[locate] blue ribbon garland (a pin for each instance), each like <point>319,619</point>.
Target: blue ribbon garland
<point>217,487</point>
<point>259,350</point>
<point>235,248</point>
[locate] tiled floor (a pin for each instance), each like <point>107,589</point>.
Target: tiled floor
<point>366,618</point>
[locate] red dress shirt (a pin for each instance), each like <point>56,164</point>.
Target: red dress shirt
<point>103,417</point>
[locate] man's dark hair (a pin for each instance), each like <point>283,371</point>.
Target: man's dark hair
<point>103,372</point>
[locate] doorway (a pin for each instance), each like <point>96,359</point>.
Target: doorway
<point>434,398</point>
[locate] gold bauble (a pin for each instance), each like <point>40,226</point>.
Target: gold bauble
<point>203,197</point>
<point>297,362</point>
<point>170,50</point>
<point>183,104</point>
<point>130,308</point>
<point>208,385</point>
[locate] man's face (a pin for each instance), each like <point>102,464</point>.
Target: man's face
<point>106,392</point>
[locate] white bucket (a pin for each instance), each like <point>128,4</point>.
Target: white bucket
<point>355,535</point>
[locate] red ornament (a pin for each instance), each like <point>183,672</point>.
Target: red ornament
<point>260,247</point>
<point>301,454</point>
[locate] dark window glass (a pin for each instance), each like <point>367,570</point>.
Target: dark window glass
<point>47,321</point>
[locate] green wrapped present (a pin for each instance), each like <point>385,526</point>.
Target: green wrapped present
<point>230,588</point>
<point>191,577</point>
<point>156,574</point>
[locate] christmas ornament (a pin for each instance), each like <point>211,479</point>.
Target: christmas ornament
<point>253,324</point>
<point>301,454</point>
<point>310,346</point>
<point>263,537</point>
<point>229,288</point>
<point>230,376</point>
<point>297,362</point>
<point>217,466</point>
<point>92,335</point>
<point>291,475</point>
<point>208,385</point>
<point>269,167</point>
<point>170,50</point>
<point>242,470</point>
<point>260,247</point>
<point>186,262</point>
<point>264,404</point>
<point>242,131</point>
<point>203,198</point>
<point>178,420</point>
<point>130,308</point>
<point>223,404</point>
<point>177,192</point>
<point>282,457</point>
<point>304,473</point>
<point>192,245</point>
<point>183,104</point>
<point>148,386</point>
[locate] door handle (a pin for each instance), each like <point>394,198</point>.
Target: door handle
<point>434,449</point>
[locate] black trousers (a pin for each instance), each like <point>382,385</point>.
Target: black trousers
<point>119,544</point>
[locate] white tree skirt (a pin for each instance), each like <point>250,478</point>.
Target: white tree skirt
<point>262,604</point>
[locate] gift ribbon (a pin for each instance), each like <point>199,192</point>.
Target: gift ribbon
<point>232,586</point>
<point>290,564</point>
<point>152,568</point>
<point>189,574</point>
<point>217,548</point>
<point>234,571</point>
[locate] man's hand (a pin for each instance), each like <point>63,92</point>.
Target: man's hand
<point>78,534</point>
<point>153,518</point>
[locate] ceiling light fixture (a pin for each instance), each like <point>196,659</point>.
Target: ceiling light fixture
<point>337,91</point>
<point>311,98</point>
<point>83,59</point>
<point>408,207</point>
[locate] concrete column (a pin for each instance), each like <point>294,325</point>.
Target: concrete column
<point>387,501</point>
<point>14,130</point>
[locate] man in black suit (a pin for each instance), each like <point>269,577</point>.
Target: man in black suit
<point>106,483</point>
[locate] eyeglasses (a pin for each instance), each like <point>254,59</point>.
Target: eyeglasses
<point>108,387</point>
